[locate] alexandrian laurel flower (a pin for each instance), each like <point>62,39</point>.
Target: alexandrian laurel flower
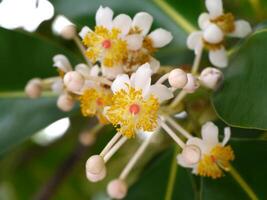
<point>135,102</point>
<point>215,25</point>
<point>214,155</point>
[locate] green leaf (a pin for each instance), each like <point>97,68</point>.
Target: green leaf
<point>242,99</point>
<point>20,118</point>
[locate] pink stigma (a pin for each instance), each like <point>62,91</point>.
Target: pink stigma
<point>106,44</point>
<point>134,109</point>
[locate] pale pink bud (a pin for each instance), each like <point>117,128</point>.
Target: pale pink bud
<point>65,102</point>
<point>211,78</point>
<point>33,88</point>
<point>95,164</point>
<point>117,189</point>
<point>74,81</point>
<point>177,78</point>
<point>191,85</point>
<point>191,154</point>
<point>96,177</point>
<point>87,139</point>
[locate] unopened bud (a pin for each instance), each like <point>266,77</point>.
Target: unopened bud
<point>65,102</point>
<point>95,164</point>
<point>96,177</point>
<point>117,189</point>
<point>177,78</point>
<point>74,81</point>
<point>211,78</point>
<point>87,139</point>
<point>64,27</point>
<point>191,154</point>
<point>33,88</point>
<point>191,85</point>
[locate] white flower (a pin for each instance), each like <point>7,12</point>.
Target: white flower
<point>26,14</point>
<point>215,25</point>
<point>62,63</point>
<point>214,155</point>
<point>136,102</point>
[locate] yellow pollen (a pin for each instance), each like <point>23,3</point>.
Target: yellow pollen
<point>105,46</point>
<point>212,47</point>
<point>213,164</point>
<point>127,118</point>
<point>93,102</point>
<point>226,22</point>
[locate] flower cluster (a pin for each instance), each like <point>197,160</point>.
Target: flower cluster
<point>121,84</point>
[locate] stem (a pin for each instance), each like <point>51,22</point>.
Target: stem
<point>178,99</point>
<point>115,148</point>
<point>140,151</point>
<point>179,128</point>
<point>82,49</point>
<point>176,16</point>
<point>243,183</point>
<point>172,134</point>
<point>197,62</point>
<point>163,78</point>
<point>53,184</point>
<point>110,144</point>
<point>172,177</point>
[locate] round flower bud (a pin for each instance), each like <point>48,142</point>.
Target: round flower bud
<point>211,78</point>
<point>74,81</point>
<point>87,139</point>
<point>95,164</point>
<point>213,34</point>
<point>191,85</point>
<point>64,27</point>
<point>96,177</point>
<point>177,78</point>
<point>68,32</point>
<point>117,189</point>
<point>33,88</point>
<point>191,154</point>
<point>65,102</point>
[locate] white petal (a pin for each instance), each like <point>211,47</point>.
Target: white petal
<point>62,62</point>
<point>161,92</point>
<point>154,64</point>
<point>215,8</point>
<point>210,133</point>
<point>83,69</point>
<point>120,83</point>
<point>160,37</point>
<point>104,17</point>
<point>242,29</point>
<point>122,22</point>
<point>143,21</point>
<point>182,162</point>
<point>219,58</point>
<point>95,70</point>
<point>111,72</point>
<point>204,20</point>
<point>194,40</point>
<point>134,41</point>
<point>85,30</point>
<point>213,34</point>
<point>227,135</point>
<point>60,23</point>
<point>142,78</point>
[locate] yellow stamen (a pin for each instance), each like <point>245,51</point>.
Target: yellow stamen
<point>213,47</point>
<point>93,102</point>
<point>213,164</point>
<point>128,122</point>
<point>112,54</point>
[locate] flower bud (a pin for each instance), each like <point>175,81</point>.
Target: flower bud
<point>63,27</point>
<point>191,85</point>
<point>117,189</point>
<point>213,34</point>
<point>74,81</point>
<point>65,102</point>
<point>95,164</point>
<point>96,177</point>
<point>191,154</point>
<point>211,78</point>
<point>33,88</point>
<point>87,138</point>
<point>177,78</point>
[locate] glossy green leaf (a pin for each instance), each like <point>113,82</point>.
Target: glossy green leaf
<point>242,99</point>
<point>20,118</point>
